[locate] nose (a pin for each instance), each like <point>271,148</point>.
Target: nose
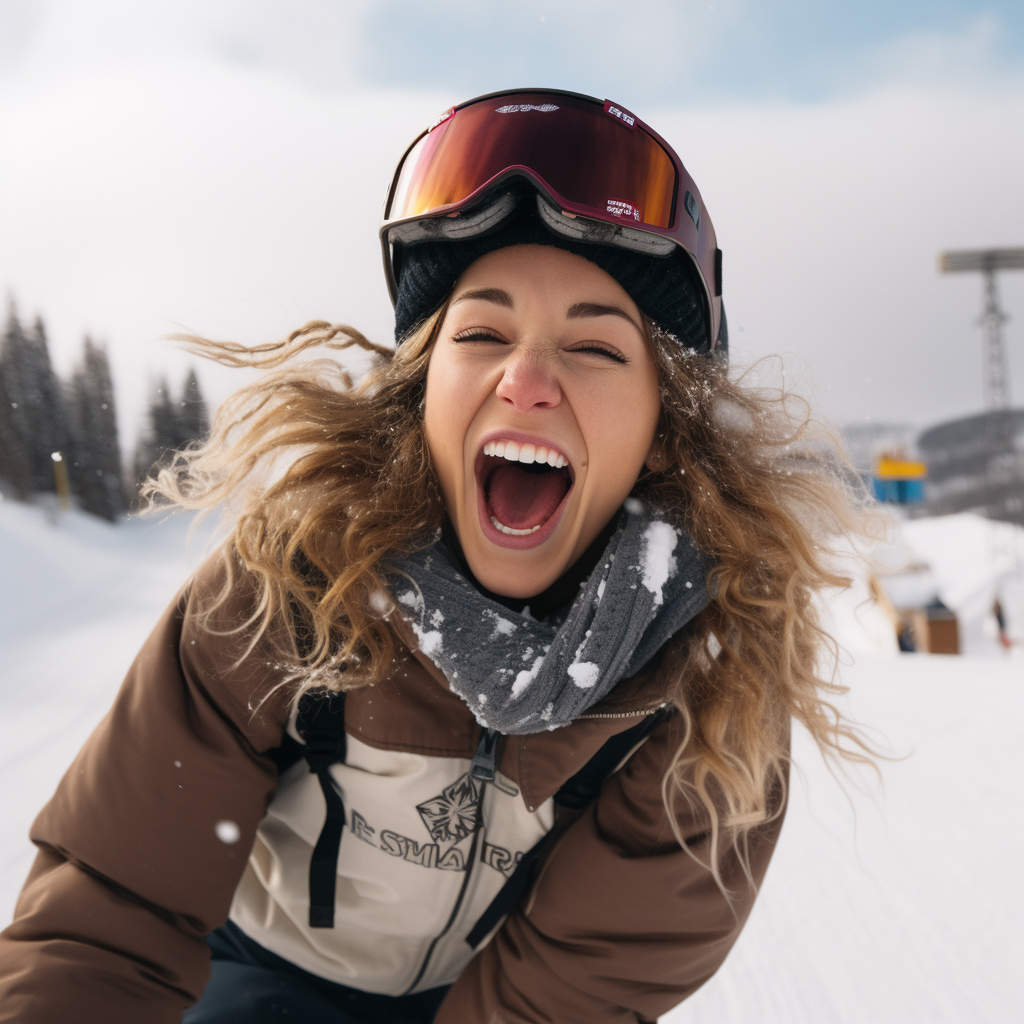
<point>527,382</point>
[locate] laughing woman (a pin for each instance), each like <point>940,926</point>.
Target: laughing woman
<point>481,716</point>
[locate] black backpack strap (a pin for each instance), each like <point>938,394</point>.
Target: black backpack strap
<point>574,795</point>
<point>583,787</point>
<point>321,724</point>
<point>284,756</point>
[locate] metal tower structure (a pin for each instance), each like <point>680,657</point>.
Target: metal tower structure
<point>988,262</point>
<point>999,488</point>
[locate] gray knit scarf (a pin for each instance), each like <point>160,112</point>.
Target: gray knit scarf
<point>522,675</point>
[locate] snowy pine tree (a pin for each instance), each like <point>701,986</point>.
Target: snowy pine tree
<point>95,464</point>
<point>161,433</point>
<point>173,424</point>
<point>32,419</point>
<point>46,414</point>
<point>15,460</point>
<point>193,417</point>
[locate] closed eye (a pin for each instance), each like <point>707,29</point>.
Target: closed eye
<point>477,334</point>
<point>601,350</point>
<point>589,347</point>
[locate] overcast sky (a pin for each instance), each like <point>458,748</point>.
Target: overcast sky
<point>220,165</point>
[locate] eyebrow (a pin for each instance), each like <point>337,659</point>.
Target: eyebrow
<point>497,295</point>
<point>586,309</point>
<point>578,310</point>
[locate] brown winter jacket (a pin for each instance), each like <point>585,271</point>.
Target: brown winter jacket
<point>131,873</point>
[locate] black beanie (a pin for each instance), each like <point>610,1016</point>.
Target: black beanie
<point>665,288</point>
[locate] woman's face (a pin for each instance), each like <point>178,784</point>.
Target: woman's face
<point>541,408</point>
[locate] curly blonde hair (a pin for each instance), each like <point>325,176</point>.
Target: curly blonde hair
<point>329,480</point>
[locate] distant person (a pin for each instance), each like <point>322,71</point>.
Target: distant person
<point>482,714</point>
<point>905,637</point>
<point>1000,617</point>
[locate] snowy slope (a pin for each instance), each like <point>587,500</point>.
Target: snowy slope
<point>902,902</point>
<point>900,905</point>
<point>904,905</point>
<point>77,598</point>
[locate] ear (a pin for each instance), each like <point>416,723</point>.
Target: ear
<point>656,459</point>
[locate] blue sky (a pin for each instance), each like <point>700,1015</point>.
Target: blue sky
<point>685,52</point>
<point>665,52</point>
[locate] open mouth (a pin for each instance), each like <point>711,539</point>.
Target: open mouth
<point>522,486</point>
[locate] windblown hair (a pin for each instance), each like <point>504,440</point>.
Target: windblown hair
<point>328,480</point>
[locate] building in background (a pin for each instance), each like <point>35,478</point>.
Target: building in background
<point>910,598</point>
<point>899,481</point>
<point>976,464</point>
<point>865,443</point>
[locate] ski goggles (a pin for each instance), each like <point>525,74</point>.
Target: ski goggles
<point>599,173</point>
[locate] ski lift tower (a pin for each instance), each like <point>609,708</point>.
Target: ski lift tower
<point>997,378</point>
<point>987,262</point>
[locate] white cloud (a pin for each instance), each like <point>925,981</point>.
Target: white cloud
<point>135,201</point>
<point>153,179</point>
<point>831,218</point>
<point>315,42</point>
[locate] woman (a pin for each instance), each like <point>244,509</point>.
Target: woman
<point>483,712</point>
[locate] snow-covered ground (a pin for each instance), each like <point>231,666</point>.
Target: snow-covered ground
<point>900,903</point>
<point>904,905</point>
<point>77,598</point>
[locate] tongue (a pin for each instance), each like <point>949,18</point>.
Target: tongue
<point>521,499</point>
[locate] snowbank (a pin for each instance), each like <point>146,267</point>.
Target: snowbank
<point>965,560</point>
<point>974,561</point>
<point>77,598</point>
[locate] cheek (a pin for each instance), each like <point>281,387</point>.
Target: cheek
<point>435,423</point>
<point>647,407</point>
<point>446,419</point>
<point>624,423</point>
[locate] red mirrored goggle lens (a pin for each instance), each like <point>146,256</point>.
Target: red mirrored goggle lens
<point>586,155</point>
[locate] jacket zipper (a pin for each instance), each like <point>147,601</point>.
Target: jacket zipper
<point>625,714</point>
<point>485,763</point>
<point>482,770</point>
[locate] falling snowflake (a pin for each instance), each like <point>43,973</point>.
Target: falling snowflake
<point>227,832</point>
<point>454,814</point>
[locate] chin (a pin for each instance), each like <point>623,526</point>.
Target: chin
<point>507,566</point>
<point>518,581</point>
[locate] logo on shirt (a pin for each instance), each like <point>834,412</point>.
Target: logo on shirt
<point>450,821</point>
<point>454,814</point>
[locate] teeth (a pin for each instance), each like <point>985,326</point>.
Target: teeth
<point>511,532</point>
<point>513,451</point>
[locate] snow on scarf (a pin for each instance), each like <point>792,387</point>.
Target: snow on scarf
<point>521,675</point>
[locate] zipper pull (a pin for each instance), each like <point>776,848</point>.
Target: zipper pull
<point>484,767</point>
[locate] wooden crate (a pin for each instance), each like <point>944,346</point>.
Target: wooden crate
<point>943,635</point>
